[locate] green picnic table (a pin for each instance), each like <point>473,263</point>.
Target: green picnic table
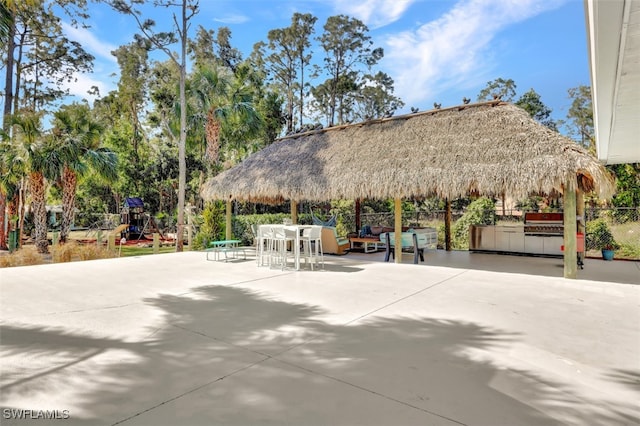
<point>228,247</point>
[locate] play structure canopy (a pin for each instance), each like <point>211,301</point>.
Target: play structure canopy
<point>134,202</point>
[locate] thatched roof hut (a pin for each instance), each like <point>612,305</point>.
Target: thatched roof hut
<point>490,148</point>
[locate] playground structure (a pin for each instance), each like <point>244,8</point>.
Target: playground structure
<point>135,224</point>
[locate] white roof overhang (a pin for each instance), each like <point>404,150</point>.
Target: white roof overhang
<point>613,33</point>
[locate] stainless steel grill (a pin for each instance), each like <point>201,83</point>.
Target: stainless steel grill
<point>543,224</point>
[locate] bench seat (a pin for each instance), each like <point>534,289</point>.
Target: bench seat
<point>415,241</point>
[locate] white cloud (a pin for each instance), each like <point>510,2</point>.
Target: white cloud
<point>89,42</point>
<point>374,13</point>
<point>454,48</point>
<point>232,19</point>
<point>84,83</point>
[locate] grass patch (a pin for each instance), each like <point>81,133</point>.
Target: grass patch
<point>142,251</point>
<point>627,235</point>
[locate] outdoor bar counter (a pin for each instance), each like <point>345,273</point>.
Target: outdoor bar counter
<point>514,239</point>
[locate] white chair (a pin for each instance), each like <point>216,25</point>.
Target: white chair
<point>282,236</point>
<point>264,236</point>
<point>312,245</point>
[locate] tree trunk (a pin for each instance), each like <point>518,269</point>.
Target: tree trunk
<point>21,202</point>
<point>8,82</point>
<point>37,186</point>
<point>12,215</point>
<point>18,72</point>
<point>290,120</point>
<point>301,112</point>
<point>182,161</point>
<point>12,211</point>
<point>118,200</point>
<point>69,182</point>
<point>3,216</point>
<point>212,135</point>
<point>200,204</point>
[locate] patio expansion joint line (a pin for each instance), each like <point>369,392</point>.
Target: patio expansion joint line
<point>406,297</point>
<point>274,357</point>
<point>190,391</point>
<point>218,379</point>
<point>77,311</point>
<point>373,311</point>
<point>371,391</point>
<point>124,305</point>
<point>231,284</point>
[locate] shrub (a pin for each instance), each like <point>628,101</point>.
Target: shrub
<point>480,212</point>
<point>345,222</point>
<point>629,251</point>
<point>599,237</point>
<point>213,224</point>
<point>24,256</point>
<point>93,252</point>
<point>241,225</point>
<point>64,252</point>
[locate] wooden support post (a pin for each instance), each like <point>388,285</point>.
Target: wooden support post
<point>358,220</point>
<point>189,227</point>
<point>156,243</point>
<point>55,240</point>
<point>398,230</point>
<point>294,212</point>
<point>581,219</point>
<point>447,225</point>
<point>570,229</point>
<point>581,224</point>
<point>227,235</point>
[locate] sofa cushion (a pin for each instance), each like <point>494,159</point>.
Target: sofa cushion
<point>376,230</point>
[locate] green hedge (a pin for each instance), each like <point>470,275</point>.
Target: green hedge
<point>241,226</point>
<point>480,212</point>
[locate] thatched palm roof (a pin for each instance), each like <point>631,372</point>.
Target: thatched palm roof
<point>489,148</point>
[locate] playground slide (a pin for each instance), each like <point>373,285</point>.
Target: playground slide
<point>120,228</point>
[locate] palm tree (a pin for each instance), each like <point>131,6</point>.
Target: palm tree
<point>77,151</point>
<point>227,100</point>
<point>5,22</point>
<point>12,173</point>
<point>33,150</point>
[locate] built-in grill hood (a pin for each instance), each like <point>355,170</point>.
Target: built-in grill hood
<point>543,224</point>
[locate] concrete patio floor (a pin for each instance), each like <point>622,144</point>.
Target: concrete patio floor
<point>174,339</point>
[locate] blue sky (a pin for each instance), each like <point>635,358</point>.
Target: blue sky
<point>435,50</point>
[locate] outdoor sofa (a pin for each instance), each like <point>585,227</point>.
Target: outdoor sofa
<point>413,240</point>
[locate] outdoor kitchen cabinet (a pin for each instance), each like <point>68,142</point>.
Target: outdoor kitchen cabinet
<point>553,244</point>
<point>482,237</point>
<point>541,234</point>
<point>497,238</point>
<point>510,239</point>
<point>543,244</point>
